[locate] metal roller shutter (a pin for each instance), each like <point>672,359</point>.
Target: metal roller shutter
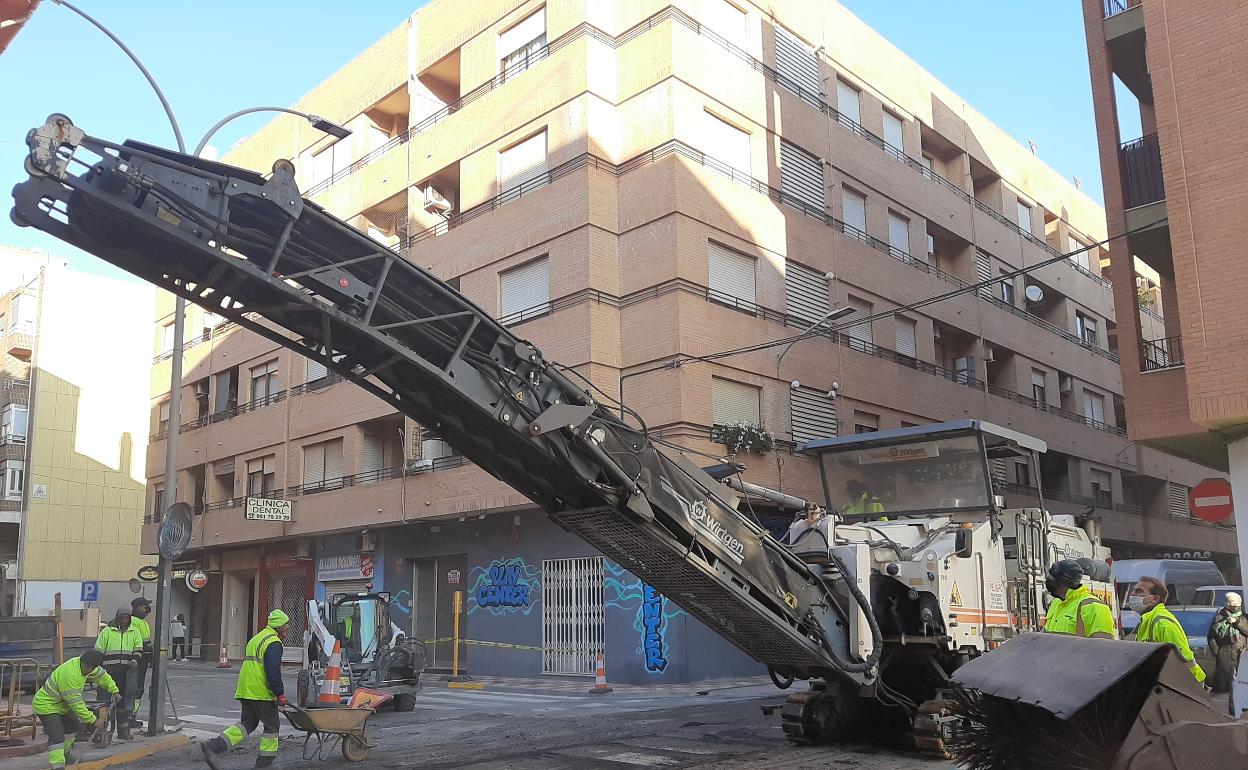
<point>813,414</point>
<point>899,233</point>
<point>805,293</point>
<point>524,288</point>
<point>1093,407</point>
<point>860,332</point>
<point>894,131</point>
<point>734,401</point>
<point>349,587</point>
<point>519,34</point>
<point>371,458</point>
<point>1177,499</point>
<point>522,162</point>
<point>854,211</point>
<point>729,273</point>
<point>848,102</point>
<point>333,459</point>
<point>906,343</point>
<point>801,176</point>
<point>313,464</point>
<point>983,271</point>
<point>726,143</point>
<point>796,64</point>
<point>316,370</point>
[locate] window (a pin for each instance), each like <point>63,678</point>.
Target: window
<point>372,458</point>
<point>166,338</point>
<point>1102,488</point>
<point>1093,408</point>
<point>898,234</point>
<point>1085,328</point>
<point>733,402</point>
<point>13,423</point>
<point>865,422</point>
<point>158,500</point>
<point>730,276</point>
<point>162,417</point>
<point>1073,245</point>
<point>1038,391</point>
<point>226,390</point>
<point>261,475</point>
<point>263,383</point>
<point>1024,217</point>
<point>812,414</point>
<point>725,19</point>
<point>322,465</point>
<point>1022,474</point>
<point>805,293</point>
<point>522,162</point>
<point>860,332</point>
<point>726,143</point>
<point>12,478</point>
<point>983,272</point>
<point>1007,289</point>
<point>316,371</point>
<point>848,102</point>
<point>854,212</point>
<point>524,292</point>
<point>523,44</point>
<point>894,131</point>
<point>926,162</point>
<point>796,66</point>
<point>801,176</point>
<point>201,398</point>
<point>330,161</point>
<point>22,314</point>
<point>906,345</point>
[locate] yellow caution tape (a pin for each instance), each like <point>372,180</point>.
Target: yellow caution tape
<point>507,645</point>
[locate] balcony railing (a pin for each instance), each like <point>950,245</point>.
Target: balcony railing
<point>314,386</point>
<point>1066,497</point>
<point>1115,7</point>
<point>1162,353</point>
<point>1142,182</point>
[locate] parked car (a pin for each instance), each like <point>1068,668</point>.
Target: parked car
<point>1215,596</point>
<point>1183,578</point>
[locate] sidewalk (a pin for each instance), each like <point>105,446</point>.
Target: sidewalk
<point>577,684</point>
<point>119,753</point>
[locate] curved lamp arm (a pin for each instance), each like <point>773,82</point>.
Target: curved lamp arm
<point>333,129</point>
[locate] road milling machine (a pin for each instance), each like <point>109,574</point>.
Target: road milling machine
<point>874,610</point>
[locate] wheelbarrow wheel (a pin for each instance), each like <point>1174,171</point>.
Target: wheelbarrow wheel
<point>354,748</point>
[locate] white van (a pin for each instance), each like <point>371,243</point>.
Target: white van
<point>1183,578</point>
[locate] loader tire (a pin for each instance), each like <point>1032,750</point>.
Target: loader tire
<point>404,702</point>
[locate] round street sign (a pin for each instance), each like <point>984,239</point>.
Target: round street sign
<point>175,531</point>
<point>196,579</point>
<point>148,573</point>
<point>1210,500</point>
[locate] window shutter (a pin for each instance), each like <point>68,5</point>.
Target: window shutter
<point>725,19</point>
<point>848,102</point>
<point>734,401</point>
<point>333,459</point>
<point>726,143</point>
<point>730,273</point>
<point>223,467</point>
<point>997,468</point>
<point>313,463</point>
<point>801,176</point>
<point>316,370</point>
<point>1037,378</point>
<point>532,26</point>
<point>906,344</point>
<point>860,332</point>
<point>1093,406</point>
<point>371,459</point>
<point>894,131</point>
<point>1176,498</point>
<point>854,211</point>
<point>813,414</point>
<point>525,288</point>
<point>796,64</point>
<point>899,233</point>
<point>983,272</point>
<point>522,162</point>
<point>1024,217</point>
<point>805,293</point>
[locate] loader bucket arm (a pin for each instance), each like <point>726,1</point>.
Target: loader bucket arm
<point>252,249</point>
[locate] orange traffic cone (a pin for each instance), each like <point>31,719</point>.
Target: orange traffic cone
<point>333,675</point>
<point>600,678</point>
<point>223,661</point>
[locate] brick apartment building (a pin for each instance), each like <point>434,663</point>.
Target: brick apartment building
<point>1180,189</point>
<point>627,184</point>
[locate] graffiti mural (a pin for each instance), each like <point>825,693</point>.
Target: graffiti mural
<point>652,613</point>
<point>504,587</point>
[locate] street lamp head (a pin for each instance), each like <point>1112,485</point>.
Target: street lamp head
<point>840,313</point>
<point>329,127</point>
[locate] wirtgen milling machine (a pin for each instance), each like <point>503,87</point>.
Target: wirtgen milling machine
<point>876,614</point>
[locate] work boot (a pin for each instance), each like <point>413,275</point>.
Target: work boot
<point>210,752</point>
<point>265,761</point>
<point>123,732</point>
<point>135,723</point>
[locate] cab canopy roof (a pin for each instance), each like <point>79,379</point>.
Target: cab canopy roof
<point>1000,442</point>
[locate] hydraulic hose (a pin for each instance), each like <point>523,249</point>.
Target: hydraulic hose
<point>873,658</point>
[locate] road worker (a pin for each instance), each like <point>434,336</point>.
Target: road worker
<point>59,705</point>
<point>1158,624</point>
<point>122,647</point>
<point>1076,611</point>
<point>260,692</point>
<point>140,608</point>
<point>861,499</point>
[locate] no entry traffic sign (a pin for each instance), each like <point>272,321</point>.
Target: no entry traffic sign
<point>1210,500</point>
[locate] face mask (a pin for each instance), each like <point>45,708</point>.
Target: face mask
<point>1051,586</point>
<point>1135,603</point>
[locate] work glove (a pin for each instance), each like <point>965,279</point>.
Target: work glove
<point>116,698</point>
<point>281,700</point>
<point>133,663</point>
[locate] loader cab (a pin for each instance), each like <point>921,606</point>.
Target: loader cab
<point>361,622</point>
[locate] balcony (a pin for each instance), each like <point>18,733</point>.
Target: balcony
<point>1162,353</point>
<point>1140,161</point>
<point>1115,7</point>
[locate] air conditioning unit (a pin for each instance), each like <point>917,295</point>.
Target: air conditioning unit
<point>436,202</point>
<point>1065,383</point>
<point>989,354</point>
<point>303,549</point>
<point>368,542</point>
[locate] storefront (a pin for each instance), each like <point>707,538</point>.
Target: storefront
<point>545,602</point>
<point>343,567</point>
<point>286,581</point>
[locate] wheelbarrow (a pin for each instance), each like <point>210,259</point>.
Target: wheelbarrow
<point>327,726</point>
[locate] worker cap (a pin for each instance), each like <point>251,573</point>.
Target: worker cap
<point>1234,598</point>
<point>122,611</point>
<point>1067,572</point>
<point>277,619</point>
<point>140,601</point>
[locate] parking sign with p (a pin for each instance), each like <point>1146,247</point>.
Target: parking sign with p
<point>90,591</point>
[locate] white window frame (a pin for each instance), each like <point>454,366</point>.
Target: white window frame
<point>12,479</point>
<point>896,139</point>
<point>510,305</point>
<point>14,422</point>
<point>521,45</point>
<point>849,102</point>
<point>530,176</point>
<point>1086,329</point>
<point>1024,217</point>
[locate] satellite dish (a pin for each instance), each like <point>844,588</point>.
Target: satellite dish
<point>135,586</point>
<point>175,531</point>
<point>1034,293</point>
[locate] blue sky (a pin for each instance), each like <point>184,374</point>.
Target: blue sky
<point>1024,65</point>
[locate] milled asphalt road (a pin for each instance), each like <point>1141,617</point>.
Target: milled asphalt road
<point>541,730</point>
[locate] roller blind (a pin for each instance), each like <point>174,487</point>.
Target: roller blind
<point>813,414</point>
<point>371,456</point>
<point>894,132</point>
<point>1093,406</point>
<point>860,332</point>
<point>983,271</point>
<point>801,175</point>
<point>848,101</point>
<point>796,64</point>
<point>805,293</point>
<point>734,401</point>
<point>521,33</point>
<point>524,290</point>
<point>854,210</point>
<point>522,162</point>
<point>1024,217</point>
<point>906,344</point>
<point>316,370</point>
<point>726,143</point>
<point>730,273</point>
<point>313,463</point>
<point>899,232</point>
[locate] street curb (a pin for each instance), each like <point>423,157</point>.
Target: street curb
<point>167,743</point>
<point>25,750</point>
<point>466,685</point>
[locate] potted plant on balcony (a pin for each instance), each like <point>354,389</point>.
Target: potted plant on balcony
<point>743,437</point>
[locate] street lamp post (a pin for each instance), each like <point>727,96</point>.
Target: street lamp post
<point>832,315</point>
<point>319,123</point>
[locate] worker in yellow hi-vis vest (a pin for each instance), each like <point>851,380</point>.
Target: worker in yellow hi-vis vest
<point>260,692</point>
